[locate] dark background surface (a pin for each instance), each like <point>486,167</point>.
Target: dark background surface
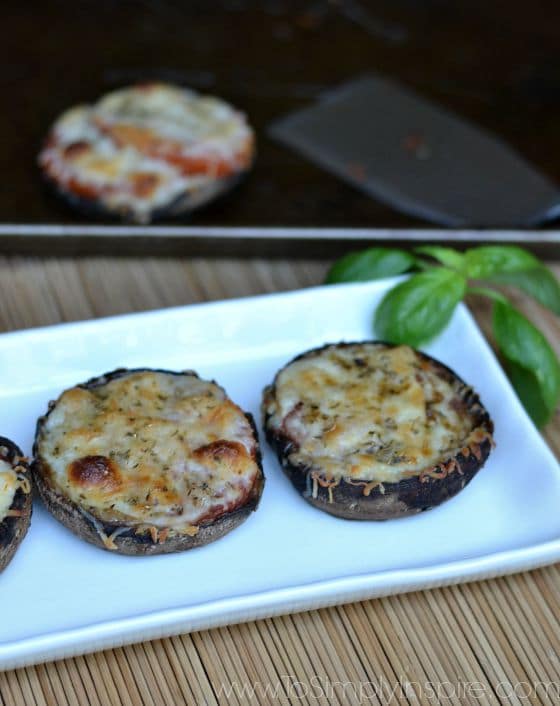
<point>495,63</point>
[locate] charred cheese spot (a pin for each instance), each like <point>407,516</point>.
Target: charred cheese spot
<point>184,141</point>
<point>94,472</point>
<point>147,447</point>
<point>221,452</point>
<point>368,411</point>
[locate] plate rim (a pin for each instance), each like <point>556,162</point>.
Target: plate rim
<point>264,604</point>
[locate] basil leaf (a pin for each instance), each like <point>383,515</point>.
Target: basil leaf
<point>373,263</point>
<point>488,260</point>
<point>447,256</point>
<point>416,310</point>
<point>538,282</point>
<point>525,346</point>
<point>528,390</point>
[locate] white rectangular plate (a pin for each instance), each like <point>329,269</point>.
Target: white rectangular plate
<point>63,597</point>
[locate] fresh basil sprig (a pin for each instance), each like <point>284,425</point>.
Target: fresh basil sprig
<point>373,263</point>
<point>531,362</point>
<point>537,282</point>
<point>419,308</point>
<point>447,256</point>
<point>489,260</point>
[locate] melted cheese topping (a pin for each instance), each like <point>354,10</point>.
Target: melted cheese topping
<point>368,412</point>
<point>8,485</point>
<point>141,148</point>
<point>152,448</point>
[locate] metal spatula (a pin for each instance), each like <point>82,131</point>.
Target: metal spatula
<point>420,158</point>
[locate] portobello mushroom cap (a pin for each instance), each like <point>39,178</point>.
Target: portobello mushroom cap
<point>141,533</point>
<point>362,492</point>
<point>15,520</point>
<point>146,152</point>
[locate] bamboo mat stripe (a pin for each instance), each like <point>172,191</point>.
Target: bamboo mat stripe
<point>489,642</point>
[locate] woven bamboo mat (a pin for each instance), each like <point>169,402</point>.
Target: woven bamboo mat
<point>490,642</point>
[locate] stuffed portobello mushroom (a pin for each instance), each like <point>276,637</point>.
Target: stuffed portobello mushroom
<point>372,431</point>
<point>15,499</point>
<point>148,461</point>
<point>146,152</point>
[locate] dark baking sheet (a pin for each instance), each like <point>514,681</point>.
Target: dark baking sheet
<point>499,68</point>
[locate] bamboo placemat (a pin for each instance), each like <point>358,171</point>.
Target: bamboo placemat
<point>490,642</point>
